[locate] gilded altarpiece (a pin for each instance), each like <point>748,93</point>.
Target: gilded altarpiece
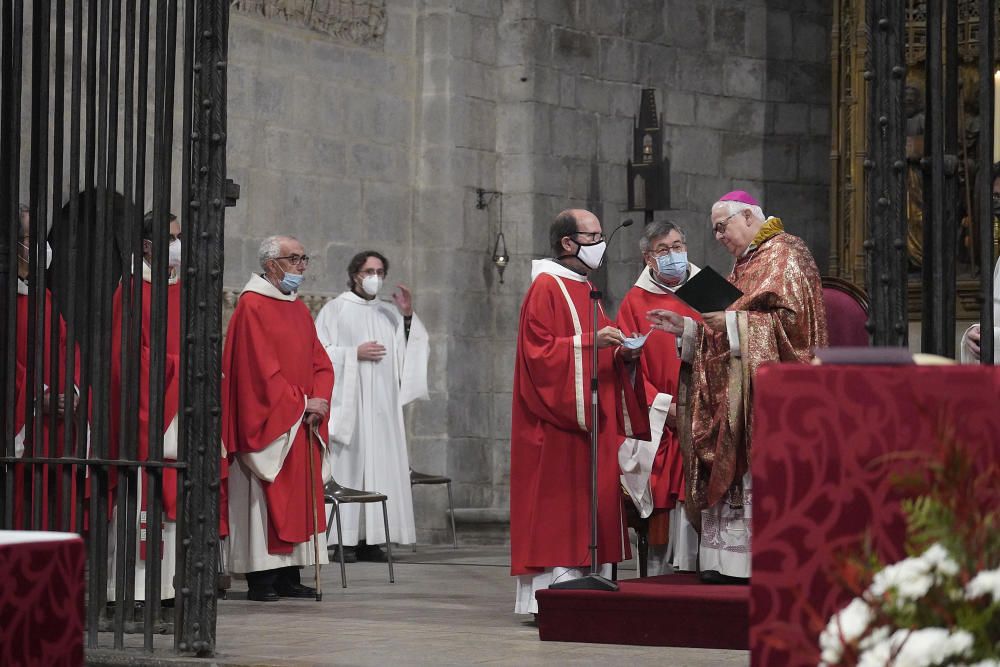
<point>850,39</point>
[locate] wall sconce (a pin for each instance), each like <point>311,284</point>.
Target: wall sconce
<point>500,256</point>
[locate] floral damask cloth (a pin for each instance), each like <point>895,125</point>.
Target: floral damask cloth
<point>828,443</point>
<point>41,598</point>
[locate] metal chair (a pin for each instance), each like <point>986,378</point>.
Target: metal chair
<point>335,494</point>
<point>423,478</point>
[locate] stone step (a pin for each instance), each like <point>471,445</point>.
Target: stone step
<point>482,525</point>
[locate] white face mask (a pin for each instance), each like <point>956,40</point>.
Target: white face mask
<point>371,285</point>
<point>174,254</point>
<point>48,253</point>
<point>592,255</point>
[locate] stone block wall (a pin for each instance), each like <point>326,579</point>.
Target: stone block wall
<point>351,146</point>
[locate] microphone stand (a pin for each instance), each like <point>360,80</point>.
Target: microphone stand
<point>593,581</point>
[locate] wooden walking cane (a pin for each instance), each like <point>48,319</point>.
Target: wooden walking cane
<point>315,517</point>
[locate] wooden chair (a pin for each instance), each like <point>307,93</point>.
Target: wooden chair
<point>847,309</point>
<point>335,494</point>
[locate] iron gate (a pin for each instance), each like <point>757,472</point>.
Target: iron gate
<point>941,164</point>
<point>83,79</point>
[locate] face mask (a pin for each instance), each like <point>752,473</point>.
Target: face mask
<point>174,257</point>
<point>673,266</point>
<point>48,253</point>
<point>371,285</point>
<point>291,282</point>
<point>592,254</point>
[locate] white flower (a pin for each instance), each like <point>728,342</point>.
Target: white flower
<point>986,582</point>
<point>982,663</point>
<point>940,560</point>
<point>912,578</point>
<point>877,636</point>
<point>918,648</point>
<point>849,623</point>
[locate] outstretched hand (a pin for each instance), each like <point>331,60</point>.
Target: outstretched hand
<point>609,337</point>
<point>666,320</point>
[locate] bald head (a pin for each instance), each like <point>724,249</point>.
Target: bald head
<point>566,224</point>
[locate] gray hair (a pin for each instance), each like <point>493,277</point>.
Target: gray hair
<point>270,248</point>
<point>655,230</point>
<point>734,207</point>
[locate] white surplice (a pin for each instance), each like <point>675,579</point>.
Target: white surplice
<point>367,436</point>
<point>247,543</point>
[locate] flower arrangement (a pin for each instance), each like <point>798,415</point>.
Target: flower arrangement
<point>941,605</point>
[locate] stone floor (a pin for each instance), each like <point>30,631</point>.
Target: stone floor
<point>447,607</point>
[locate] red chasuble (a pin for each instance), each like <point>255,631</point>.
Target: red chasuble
<point>43,448</point>
<point>550,439</point>
<point>660,368</point>
<point>171,377</point>
<point>273,361</point>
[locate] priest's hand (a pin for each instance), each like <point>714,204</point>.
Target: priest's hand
<point>59,405</point>
<point>609,337</point>
<point>317,409</point>
<point>404,300</point>
<point>371,351</point>
<point>716,321</point>
<point>666,320</point>
<point>972,341</point>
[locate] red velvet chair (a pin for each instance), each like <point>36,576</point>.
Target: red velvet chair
<point>846,313</point>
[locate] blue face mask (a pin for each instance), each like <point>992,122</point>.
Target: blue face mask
<point>291,282</point>
<point>673,266</point>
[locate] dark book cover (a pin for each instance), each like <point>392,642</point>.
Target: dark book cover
<point>707,291</point>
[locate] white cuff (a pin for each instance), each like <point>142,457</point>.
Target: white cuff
<point>733,332</point>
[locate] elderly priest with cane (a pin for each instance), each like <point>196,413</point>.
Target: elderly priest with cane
<point>276,393</point>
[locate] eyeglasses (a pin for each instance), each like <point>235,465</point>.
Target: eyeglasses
<point>373,272</point>
<point>680,246</point>
<point>300,260</point>
<point>719,228</point>
<point>595,237</point>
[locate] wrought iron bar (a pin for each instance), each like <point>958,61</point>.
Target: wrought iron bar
<point>937,332</point>
<point>76,436</point>
<point>885,168</point>
<point>984,185</point>
<point>202,326</point>
<point>38,205</point>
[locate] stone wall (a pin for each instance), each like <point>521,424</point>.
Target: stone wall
<point>383,145</point>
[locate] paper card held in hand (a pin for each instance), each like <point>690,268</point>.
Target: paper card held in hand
<point>707,291</point>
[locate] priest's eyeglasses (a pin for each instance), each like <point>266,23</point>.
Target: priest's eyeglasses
<point>592,237</point>
<point>680,246</point>
<point>719,228</point>
<point>373,272</point>
<point>296,260</point>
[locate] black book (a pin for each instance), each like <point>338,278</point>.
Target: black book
<point>707,291</point>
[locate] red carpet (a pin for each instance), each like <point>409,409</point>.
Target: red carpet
<point>672,610</point>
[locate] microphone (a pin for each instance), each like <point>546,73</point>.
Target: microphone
<point>625,223</point>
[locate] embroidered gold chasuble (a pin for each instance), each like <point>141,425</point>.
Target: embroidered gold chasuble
<point>780,317</point>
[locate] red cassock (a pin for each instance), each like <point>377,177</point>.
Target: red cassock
<point>550,439</point>
<point>661,367</point>
<point>273,361</point>
<point>171,382</point>
<point>44,448</point>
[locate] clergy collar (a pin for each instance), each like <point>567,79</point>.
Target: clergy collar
<point>354,297</point>
<point>540,266</point>
<point>260,285</point>
<point>646,281</point>
<point>147,274</point>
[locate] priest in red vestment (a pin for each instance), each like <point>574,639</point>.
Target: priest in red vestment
<point>276,389</point>
<point>171,282</point>
<point>652,470</point>
<point>54,400</point>
<point>551,418</point>
<point>779,318</point>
